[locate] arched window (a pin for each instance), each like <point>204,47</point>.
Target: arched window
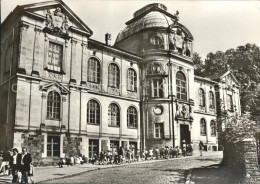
<point>93,112</point>
<point>213,128</point>
<point>113,115</point>
<point>181,86</point>
<point>93,70</point>
<point>53,105</point>
<point>131,117</point>
<point>113,76</point>
<point>211,100</point>
<point>201,98</point>
<point>203,130</point>
<point>131,80</point>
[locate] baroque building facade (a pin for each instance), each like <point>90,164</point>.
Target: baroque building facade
<point>63,93</point>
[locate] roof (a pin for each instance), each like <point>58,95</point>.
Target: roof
<point>53,3</point>
<point>151,16</point>
<point>219,76</point>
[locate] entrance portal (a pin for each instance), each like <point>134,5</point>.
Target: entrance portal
<point>185,134</point>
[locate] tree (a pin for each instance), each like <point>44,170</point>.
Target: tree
<point>244,62</point>
<point>198,64</point>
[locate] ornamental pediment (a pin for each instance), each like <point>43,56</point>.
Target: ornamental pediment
<point>57,17</point>
<point>55,85</point>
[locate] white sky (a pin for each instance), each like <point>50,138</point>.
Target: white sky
<point>215,25</point>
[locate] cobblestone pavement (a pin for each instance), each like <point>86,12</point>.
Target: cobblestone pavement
<point>155,171</point>
<point>168,171</point>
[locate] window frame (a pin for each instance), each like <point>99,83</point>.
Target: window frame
<point>213,128</point>
<point>180,81</point>
<point>203,127</point>
<point>157,86</point>
<point>160,128</point>
<point>116,117</point>
<point>51,107</point>
<point>54,42</point>
<point>97,112</point>
<point>211,100</point>
<point>230,102</point>
<point>202,102</point>
<point>131,80</point>
<point>115,75</point>
<point>134,118</point>
<point>96,73</point>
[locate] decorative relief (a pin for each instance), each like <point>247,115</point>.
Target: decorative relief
<point>156,68</point>
<point>131,94</point>
<point>179,42</point>
<point>54,76</point>
<point>184,111</point>
<point>155,41</point>
<point>158,109</point>
<point>113,91</point>
<point>93,86</point>
<point>57,22</point>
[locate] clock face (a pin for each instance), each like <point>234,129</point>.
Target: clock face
<point>158,109</point>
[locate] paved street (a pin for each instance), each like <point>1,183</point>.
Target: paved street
<point>154,171</point>
<point>168,171</point>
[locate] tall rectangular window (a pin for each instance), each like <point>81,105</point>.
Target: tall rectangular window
<point>53,146</point>
<point>55,57</point>
<point>158,130</point>
<point>158,88</point>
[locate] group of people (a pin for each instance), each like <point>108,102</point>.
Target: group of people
<point>11,161</point>
<point>132,155</point>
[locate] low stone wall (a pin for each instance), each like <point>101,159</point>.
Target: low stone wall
<point>243,156</point>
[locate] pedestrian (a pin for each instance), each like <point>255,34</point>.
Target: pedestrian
<point>120,154</point>
<point>14,165</point>
<point>61,162</point>
<point>162,153</point>
<point>184,151</point>
<point>137,155</point>
<point>201,146</point>
<point>25,161</point>
<point>151,154</point>
<point>171,152</point>
<point>166,152</point>
<point>157,153</point>
<point>6,159</point>
<point>174,152</point>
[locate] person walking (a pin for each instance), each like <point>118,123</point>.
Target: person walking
<point>14,164</point>
<point>201,145</point>
<point>120,154</point>
<point>25,161</point>
<point>157,151</point>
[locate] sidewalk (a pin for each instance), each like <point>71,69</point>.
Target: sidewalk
<point>54,172</point>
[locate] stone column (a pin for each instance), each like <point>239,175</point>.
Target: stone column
<point>73,61</point>
<point>84,63</point>
<point>38,53</point>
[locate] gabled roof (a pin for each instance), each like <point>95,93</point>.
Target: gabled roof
<point>31,8</point>
<point>219,76</point>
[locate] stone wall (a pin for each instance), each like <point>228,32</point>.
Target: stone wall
<point>242,156</point>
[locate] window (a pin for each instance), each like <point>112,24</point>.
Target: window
<point>201,98</point>
<point>181,86</point>
<point>230,102</point>
<point>211,100</point>
<point>213,128</point>
<point>131,80</point>
<point>93,147</point>
<point>158,130</point>
<point>113,115</point>
<point>113,76</point>
<point>53,146</point>
<point>55,57</point>
<point>93,70</point>
<point>93,112</point>
<point>158,88</point>
<point>131,117</point>
<point>203,127</point>
<point>53,105</point>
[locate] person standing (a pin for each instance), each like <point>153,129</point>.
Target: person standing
<point>201,145</point>
<point>6,159</point>
<point>120,154</point>
<point>14,164</point>
<point>25,160</point>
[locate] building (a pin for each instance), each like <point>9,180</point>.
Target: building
<point>63,93</point>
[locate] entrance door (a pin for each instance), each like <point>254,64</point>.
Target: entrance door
<point>53,146</point>
<point>93,147</point>
<point>185,134</point>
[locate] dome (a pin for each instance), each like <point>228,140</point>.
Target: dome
<point>151,20</point>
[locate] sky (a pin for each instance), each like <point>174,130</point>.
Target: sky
<point>215,25</point>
